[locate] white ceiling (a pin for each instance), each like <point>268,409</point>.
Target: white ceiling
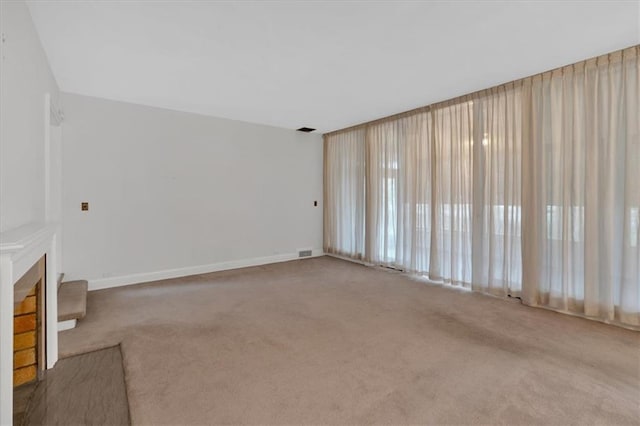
<point>327,64</point>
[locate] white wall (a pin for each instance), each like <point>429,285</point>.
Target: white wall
<point>25,78</point>
<point>25,82</point>
<point>53,194</point>
<point>170,190</point>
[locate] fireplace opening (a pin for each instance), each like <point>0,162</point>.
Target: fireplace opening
<point>29,336</point>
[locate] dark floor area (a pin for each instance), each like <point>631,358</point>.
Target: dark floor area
<point>86,389</point>
<point>21,397</point>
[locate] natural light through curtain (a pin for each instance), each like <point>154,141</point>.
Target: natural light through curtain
<point>528,189</point>
<point>420,193</point>
<point>344,188</point>
<point>582,188</point>
<point>399,193</point>
<point>497,246</point>
<point>451,180</point>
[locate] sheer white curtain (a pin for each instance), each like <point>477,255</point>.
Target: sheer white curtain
<point>497,244</point>
<point>383,204</point>
<point>582,184</point>
<point>344,188</point>
<point>415,192</point>
<point>452,182</point>
<point>399,193</point>
<point>527,189</point>
<point>421,192</point>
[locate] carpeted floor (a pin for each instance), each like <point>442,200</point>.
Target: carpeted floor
<point>324,341</point>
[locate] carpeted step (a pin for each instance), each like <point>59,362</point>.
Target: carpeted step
<point>72,300</point>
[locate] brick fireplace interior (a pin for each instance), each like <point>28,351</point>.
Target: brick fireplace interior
<point>29,354</point>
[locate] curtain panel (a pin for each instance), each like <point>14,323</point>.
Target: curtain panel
<point>344,194</point>
<point>497,227</point>
<point>428,186</point>
<point>582,188</point>
<point>529,189</point>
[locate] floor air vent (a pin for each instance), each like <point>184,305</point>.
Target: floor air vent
<point>304,253</point>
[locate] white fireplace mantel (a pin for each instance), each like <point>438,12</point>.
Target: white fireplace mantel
<point>20,249</point>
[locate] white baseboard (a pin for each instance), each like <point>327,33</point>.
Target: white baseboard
<point>103,283</point>
<point>350,259</point>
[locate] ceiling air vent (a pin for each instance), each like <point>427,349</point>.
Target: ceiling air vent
<point>305,129</point>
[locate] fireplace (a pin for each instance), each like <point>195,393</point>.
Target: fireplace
<point>29,322</point>
<point>28,308</point>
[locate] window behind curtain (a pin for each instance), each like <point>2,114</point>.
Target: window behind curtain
<point>529,189</point>
<point>344,186</point>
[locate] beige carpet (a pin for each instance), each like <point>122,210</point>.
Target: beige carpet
<point>324,341</point>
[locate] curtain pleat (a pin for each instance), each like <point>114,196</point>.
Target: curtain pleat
<point>415,171</point>
<point>452,193</point>
<point>497,250</point>
<point>530,189</point>
<point>382,192</point>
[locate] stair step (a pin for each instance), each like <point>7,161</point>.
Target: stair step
<point>72,300</point>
